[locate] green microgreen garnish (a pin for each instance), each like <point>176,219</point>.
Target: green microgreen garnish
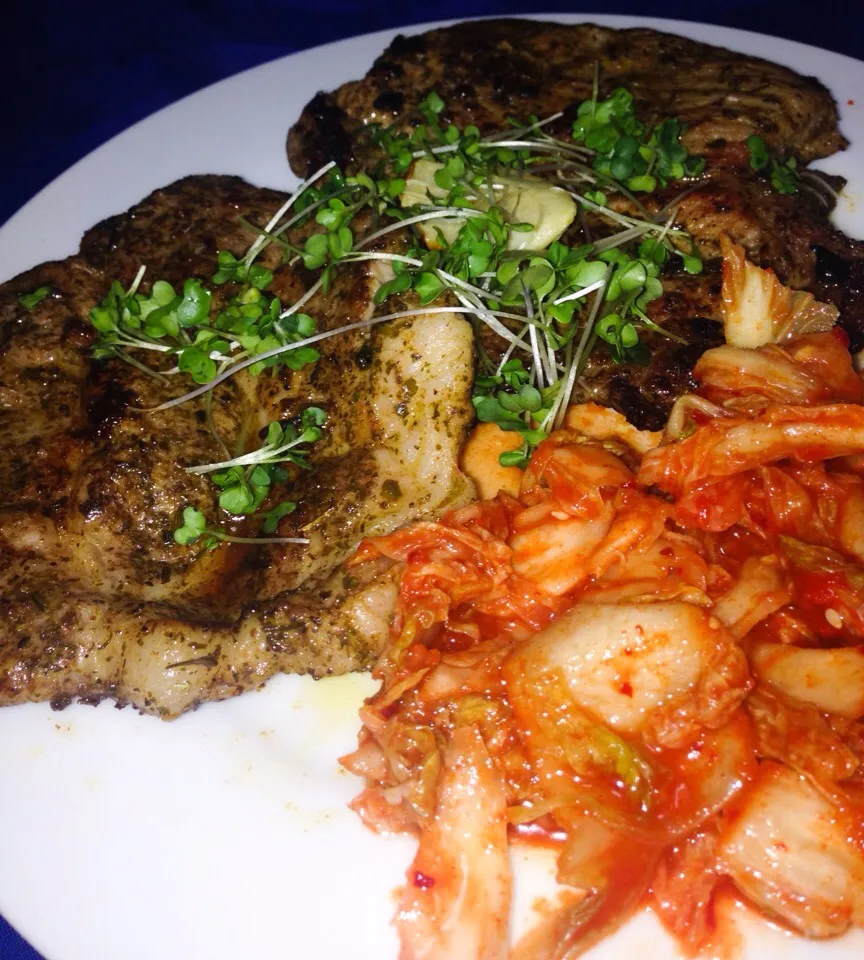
<point>507,399</point>
<point>557,285</point>
<point>283,444</point>
<point>238,271</point>
<point>475,262</point>
<point>550,303</point>
<point>783,174</point>
<point>430,106</point>
<point>625,151</point>
<point>29,300</point>
<point>194,528</point>
<point>180,325</point>
<point>246,481</point>
<point>759,155</point>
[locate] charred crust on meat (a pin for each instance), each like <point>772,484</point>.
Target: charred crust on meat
<point>389,101</point>
<point>364,356</point>
<point>106,402</point>
<point>488,70</point>
<point>324,131</point>
<point>831,268</point>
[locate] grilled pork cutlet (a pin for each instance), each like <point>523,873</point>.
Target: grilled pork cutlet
<point>97,599</point>
<point>490,71</point>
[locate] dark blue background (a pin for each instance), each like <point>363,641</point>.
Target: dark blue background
<point>74,74</point>
<point>84,71</point>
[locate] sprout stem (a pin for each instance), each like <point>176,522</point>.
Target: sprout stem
<point>259,241</point>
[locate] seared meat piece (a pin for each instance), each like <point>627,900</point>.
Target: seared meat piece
<point>487,71</point>
<point>645,394</point>
<point>61,642</point>
<point>98,598</point>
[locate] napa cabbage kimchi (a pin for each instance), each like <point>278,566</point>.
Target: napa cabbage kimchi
<point>646,650</point>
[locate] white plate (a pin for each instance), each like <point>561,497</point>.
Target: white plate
<point>225,835</point>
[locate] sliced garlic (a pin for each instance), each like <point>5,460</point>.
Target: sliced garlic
<point>525,199</point>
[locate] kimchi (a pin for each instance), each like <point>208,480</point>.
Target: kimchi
<point>651,657</point>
